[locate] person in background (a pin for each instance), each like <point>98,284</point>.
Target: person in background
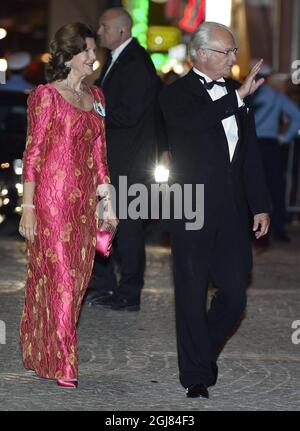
<point>16,64</point>
<point>269,107</point>
<point>64,163</point>
<point>130,85</point>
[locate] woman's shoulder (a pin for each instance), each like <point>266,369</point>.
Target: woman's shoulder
<point>97,92</point>
<point>41,94</point>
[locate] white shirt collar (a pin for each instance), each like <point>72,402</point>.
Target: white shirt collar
<point>116,52</point>
<point>207,78</point>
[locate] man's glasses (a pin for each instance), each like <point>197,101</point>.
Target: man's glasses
<point>225,52</point>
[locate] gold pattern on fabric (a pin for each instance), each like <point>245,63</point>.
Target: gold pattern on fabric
<point>65,157</point>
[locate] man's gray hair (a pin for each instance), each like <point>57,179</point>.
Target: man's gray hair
<point>203,36</point>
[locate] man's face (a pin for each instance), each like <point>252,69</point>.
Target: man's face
<point>110,31</point>
<point>219,64</point>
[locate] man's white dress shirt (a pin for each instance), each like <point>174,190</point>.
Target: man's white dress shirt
<point>115,54</point>
<point>229,124</point>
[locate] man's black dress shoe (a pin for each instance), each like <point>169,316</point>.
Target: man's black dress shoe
<point>125,304</point>
<point>116,303</point>
<point>196,391</point>
<point>92,296</point>
<point>104,302</point>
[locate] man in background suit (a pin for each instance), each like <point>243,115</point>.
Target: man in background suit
<point>212,139</point>
<point>130,85</point>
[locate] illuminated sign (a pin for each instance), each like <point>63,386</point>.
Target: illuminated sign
<point>162,38</point>
<point>194,14</point>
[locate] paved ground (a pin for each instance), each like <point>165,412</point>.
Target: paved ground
<point>128,360</point>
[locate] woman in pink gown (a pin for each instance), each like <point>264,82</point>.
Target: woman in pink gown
<point>64,162</point>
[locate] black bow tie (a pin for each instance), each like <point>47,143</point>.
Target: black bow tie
<point>209,85</point>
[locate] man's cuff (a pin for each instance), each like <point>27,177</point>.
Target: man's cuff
<point>240,101</point>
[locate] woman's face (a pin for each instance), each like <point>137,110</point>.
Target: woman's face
<point>82,63</point>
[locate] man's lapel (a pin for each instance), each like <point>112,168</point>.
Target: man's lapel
<point>105,68</point>
<point>110,73</point>
<point>116,64</point>
<point>197,88</point>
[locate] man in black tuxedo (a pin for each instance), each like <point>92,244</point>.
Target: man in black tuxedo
<point>130,85</point>
<point>212,138</point>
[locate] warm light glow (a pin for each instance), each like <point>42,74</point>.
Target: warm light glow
<point>235,70</point>
<point>4,192</point>
<point>166,68</point>
<point>19,187</point>
<point>161,174</point>
<point>162,38</point>
<point>5,165</point>
<point>3,33</point>
<point>96,65</point>
<point>3,65</point>
<point>6,201</point>
<point>219,11</point>
<point>18,166</point>
<point>178,69</point>
<point>45,57</point>
<point>158,40</point>
<point>172,62</point>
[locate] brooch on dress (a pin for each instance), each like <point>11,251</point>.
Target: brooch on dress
<point>99,108</point>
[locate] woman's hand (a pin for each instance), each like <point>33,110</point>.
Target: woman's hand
<point>27,226</point>
<point>109,215</point>
<point>105,208</point>
<point>106,212</point>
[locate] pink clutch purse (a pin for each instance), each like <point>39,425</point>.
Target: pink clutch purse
<point>105,235</point>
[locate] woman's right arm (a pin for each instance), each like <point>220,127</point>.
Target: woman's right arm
<point>39,112</point>
<point>27,226</point>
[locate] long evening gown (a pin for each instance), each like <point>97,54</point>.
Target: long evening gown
<point>65,156</point>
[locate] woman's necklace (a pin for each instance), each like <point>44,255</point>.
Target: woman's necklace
<point>84,90</point>
<point>77,93</point>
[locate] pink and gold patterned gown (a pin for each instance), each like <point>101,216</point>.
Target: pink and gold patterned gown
<point>65,156</point>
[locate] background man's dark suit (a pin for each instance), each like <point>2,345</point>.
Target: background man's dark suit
<point>131,89</point>
<point>221,250</point>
